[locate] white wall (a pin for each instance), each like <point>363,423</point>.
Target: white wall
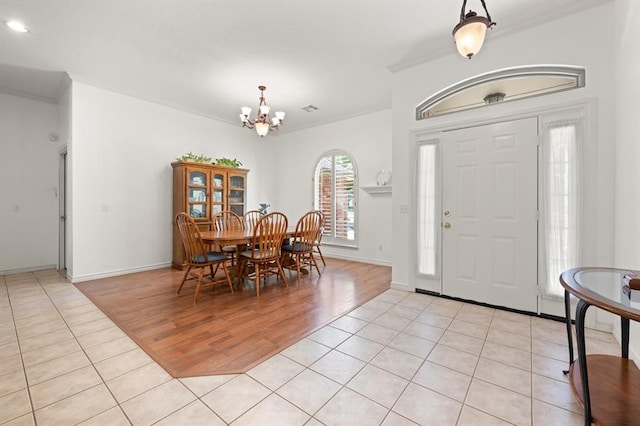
<point>29,176</point>
<point>627,182</point>
<point>121,186</point>
<point>119,177</point>
<point>367,139</point>
<point>570,40</point>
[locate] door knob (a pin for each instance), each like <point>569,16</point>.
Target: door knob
<point>447,213</point>
<point>447,225</point>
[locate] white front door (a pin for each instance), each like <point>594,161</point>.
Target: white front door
<point>489,214</point>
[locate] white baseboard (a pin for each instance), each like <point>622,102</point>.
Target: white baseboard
<point>29,269</point>
<point>115,273</point>
<point>358,259</point>
<point>400,286</point>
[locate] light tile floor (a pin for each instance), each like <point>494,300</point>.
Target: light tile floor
<point>400,359</point>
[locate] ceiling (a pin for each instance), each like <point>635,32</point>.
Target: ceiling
<point>209,56</point>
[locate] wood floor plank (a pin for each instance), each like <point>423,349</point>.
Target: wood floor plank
<point>228,333</point>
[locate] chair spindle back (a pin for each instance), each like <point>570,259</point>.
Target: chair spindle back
<point>190,234</point>
<point>251,218</point>
<point>268,235</point>
<point>226,220</point>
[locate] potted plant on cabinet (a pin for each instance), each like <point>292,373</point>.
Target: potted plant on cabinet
<point>227,162</point>
<point>193,158</point>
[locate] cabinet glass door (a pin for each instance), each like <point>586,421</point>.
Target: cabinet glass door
<point>236,182</point>
<point>236,193</point>
<point>198,211</point>
<point>197,178</point>
<point>218,180</point>
<point>236,196</point>
<point>218,200</point>
<point>237,209</point>
<point>197,194</point>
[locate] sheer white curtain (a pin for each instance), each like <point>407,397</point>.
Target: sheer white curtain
<point>427,204</point>
<point>560,200</point>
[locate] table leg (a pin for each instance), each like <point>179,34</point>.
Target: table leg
<point>624,326</point>
<point>567,314</point>
<point>581,311</point>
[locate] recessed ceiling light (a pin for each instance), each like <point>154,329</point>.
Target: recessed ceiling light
<point>17,26</point>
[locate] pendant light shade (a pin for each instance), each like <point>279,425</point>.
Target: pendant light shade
<point>469,33</point>
<point>262,128</point>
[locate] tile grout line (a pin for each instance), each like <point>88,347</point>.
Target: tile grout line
<point>305,368</point>
<point>82,348</point>
<point>24,370</point>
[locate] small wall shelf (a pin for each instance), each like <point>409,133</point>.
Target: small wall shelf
<point>379,189</point>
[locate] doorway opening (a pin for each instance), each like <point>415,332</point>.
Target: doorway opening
<point>500,209</point>
<point>62,213</point>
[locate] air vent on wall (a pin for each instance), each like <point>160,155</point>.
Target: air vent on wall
<point>310,108</point>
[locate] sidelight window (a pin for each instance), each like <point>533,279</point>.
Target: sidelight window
<point>427,238</point>
<point>560,199</point>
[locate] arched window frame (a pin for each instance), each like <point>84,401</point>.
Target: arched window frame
<point>568,72</point>
<point>340,206</point>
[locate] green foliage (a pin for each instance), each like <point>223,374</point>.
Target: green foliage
<point>228,162</point>
<point>189,156</point>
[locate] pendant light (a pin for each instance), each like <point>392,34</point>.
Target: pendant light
<point>469,33</point>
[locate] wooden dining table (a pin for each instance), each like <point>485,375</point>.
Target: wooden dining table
<point>238,237</point>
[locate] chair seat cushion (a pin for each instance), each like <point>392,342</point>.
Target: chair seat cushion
<point>229,249</point>
<point>258,254</point>
<point>212,256</point>
<point>297,247</point>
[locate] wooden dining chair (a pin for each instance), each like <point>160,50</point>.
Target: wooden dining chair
<point>251,218</point>
<point>264,254</point>
<point>198,258</point>
<point>227,220</point>
<point>301,245</point>
<point>318,243</point>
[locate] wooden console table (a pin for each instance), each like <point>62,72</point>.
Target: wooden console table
<point>609,388</point>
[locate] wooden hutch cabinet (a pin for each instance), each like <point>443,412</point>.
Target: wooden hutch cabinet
<point>202,190</point>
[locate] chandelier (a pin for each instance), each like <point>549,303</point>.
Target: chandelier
<point>470,31</point>
<point>261,123</point>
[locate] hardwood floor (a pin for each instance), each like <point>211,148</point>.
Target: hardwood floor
<point>230,333</point>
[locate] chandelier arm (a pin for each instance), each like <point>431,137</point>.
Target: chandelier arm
<point>464,5</point>
<point>484,5</point>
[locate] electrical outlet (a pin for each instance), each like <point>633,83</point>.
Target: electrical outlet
<point>404,208</point>
<point>105,208</point>
<point>16,208</point>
